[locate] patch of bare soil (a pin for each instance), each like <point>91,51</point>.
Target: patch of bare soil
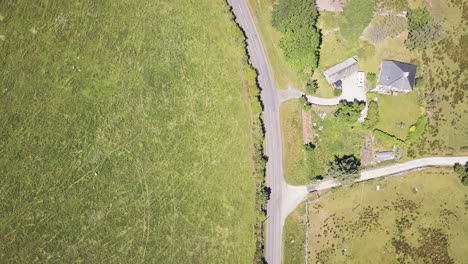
<point>307,132</point>
<point>367,152</point>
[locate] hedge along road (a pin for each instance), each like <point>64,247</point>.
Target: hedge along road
<point>284,198</point>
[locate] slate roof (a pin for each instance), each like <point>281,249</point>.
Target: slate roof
<point>341,70</point>
<point>384,155</point>
<point>397,75</point>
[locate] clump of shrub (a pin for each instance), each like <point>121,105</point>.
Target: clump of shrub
<point>371,79</point>
<point>462,171</point>
<point>372,114</point>
<point>306,105</point>
<point>350,111</point>
<point>312,87</point>
<point>423,30</point>
<point>417,129</point>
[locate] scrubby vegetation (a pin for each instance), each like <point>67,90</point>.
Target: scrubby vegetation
<point>301,40</point>
<point>423,30</point>
<point>356,16</point>
<point>417,129</point>
<point>127,134</point>
<point>416,219</point>
<point>372,114</point>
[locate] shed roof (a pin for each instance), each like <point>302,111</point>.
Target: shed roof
<point>341,70</point>
<point>398,75</point>
<point>384,155</point>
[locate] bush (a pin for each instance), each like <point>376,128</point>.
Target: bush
<point>462,171</point>
<point>291,14</point>
<point>312,87</point>
<point>372,114</point>
<point>416,130</point>
<point>302,100</point>
<point>419,82</point>
<point>307,106</point>
<point>357,14</point>
<point>337,92</point>
<point>350,111</point>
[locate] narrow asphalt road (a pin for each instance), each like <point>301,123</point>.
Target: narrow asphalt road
<point>274,170</point>
<point>284,198</point>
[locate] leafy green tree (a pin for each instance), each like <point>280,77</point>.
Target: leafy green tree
<point>357,15</point>
<point>350,111</point>
<point>300,47</point>
<point>462,171</point>
<point>372,114</point>
<point>300,42</point>
<point>345,169</point>
<point>293,14</point>
<point>312,87</point>
<point>307,106</point>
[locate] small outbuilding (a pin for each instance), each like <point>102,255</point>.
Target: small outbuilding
<point>340,71</point>
<point>384,156</point>
<point>396,77</point>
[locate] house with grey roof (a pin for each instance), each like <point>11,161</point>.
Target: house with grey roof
<point>396,77</point>
<point>384,156</point>
<point>340,71</point>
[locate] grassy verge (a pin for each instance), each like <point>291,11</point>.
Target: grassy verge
<point>294,236</point>
<point>283,74</point>
<point>124,136</point>
<point>416,218</point>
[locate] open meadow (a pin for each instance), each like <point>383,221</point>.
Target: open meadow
<point>417,218</point>
<point>126,133</point>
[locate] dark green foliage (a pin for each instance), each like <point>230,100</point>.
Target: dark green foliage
<point>300,42</point>
<point>309,147</point>
<point>312,87</point>
<point>302,100</point>
<point>423,31</point>
<point>372,114</point>
<point>345,169</point>
<point>292,14</point>
<point>307,106</point>
<point>357,15</point>
<point>371,76</point>
<point>350,111</point>
<point>419,82</point>
<point>416,130</point>
<point>300,47</point>
<point>337,92</point>
<point>462,171</point>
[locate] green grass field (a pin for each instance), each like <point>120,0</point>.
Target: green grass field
<point>294,236</point>
<point>394,110</point>
<point>405,226</point>
<point>125,134</point>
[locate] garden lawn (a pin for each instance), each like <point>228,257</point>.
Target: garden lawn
<point>336,138</point>
<point>125,135</point>
<point>394,110</point>
<point>418,218</point>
